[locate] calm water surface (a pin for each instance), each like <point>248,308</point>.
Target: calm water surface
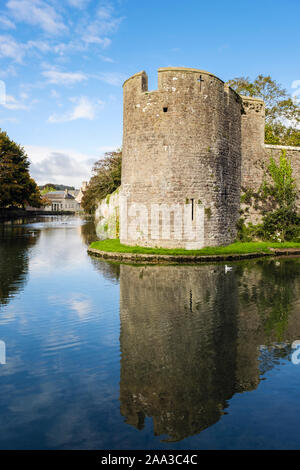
<point>109,356</point>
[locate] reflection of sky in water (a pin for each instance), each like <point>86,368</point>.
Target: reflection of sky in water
<point>198,327</point>
<point>62,346</point>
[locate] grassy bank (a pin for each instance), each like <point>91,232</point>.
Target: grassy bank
<point>114,246</point>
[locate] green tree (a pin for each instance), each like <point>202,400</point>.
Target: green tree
<point>282,112</point>
<point>17,188</point>
<point>106,179</point>
<point>283,187</point>
<point>47,189</point>
<point>55,187</point>
<point>283,223</point>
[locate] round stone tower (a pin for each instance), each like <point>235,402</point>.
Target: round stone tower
<point>181,170</point>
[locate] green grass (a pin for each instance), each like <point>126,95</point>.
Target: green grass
<point>114,246</point>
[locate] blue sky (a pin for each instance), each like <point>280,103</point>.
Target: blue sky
<point>63,63</point>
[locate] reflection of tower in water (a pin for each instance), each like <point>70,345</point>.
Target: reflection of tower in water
<point>179,346</point>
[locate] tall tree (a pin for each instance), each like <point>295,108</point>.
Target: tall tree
<point>106,179</point>
<point>17,188</point>
<point>282,112</point>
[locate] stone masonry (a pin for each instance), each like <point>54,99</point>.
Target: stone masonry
<point>190,148</point>
<point>256,154</point>
<point>182,152</point>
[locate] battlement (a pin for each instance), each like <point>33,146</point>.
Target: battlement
<point>139,76</point>
<point>187,70</point>
<point>251,98</point>
<point>171,79</point>
<point>251,103</point>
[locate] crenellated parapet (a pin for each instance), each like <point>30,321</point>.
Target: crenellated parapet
<point>253,105</point>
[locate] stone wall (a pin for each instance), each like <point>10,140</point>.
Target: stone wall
<point>254,168</point>
<point>107,217</point>
<point>182,145</point>
<point>255,153</point>
<point>191,147</point>
<point>253,137</point>
<point>256,156</point>
<point>292,152</point>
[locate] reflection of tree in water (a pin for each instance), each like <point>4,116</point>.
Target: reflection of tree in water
<point>275,294</point>
<point>272,356</point>
<point>14,245</point>
<point>88,232</point>
<point>109,270</point>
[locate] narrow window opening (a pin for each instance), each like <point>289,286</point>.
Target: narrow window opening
<point>165,110</point>
<point>200,80</point>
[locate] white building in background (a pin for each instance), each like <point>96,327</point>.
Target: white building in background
<point>81,192</point>
<point>65,201</point>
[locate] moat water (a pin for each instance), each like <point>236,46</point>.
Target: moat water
<point>107,356</point>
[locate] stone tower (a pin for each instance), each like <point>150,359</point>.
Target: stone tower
<point>253,142</point>
<point>181,173</point>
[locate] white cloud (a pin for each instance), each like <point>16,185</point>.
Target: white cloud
<point>83,109</point>
<point>105,12</point>
<point>296,84</point>
<point>78,3</point>
<point>11,120</point>
<point>24,96</point>
<point>90,38</point>
<point>103,24</point>
<point>61,166</point>
<point>13,104</point>
<point>42,46</point>
<point>6,23</point>
<point>37,13</point>
<point>9,71</point>
<point>63,47</point>
<point>106,59</point>
<point>290,123</point>
<point>90,29</point>
<point>10,48</point>
<point>64,78</point>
